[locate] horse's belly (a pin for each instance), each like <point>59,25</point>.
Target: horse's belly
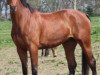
<point>54,39</point>
<point>54,34</point>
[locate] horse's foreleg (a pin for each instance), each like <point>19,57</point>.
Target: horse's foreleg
<point>23,57</point>
<point>34,58</point>
<point>69,47</point>
<point>86,47</point>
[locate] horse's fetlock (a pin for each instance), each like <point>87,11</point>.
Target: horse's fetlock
<point>34,70</point>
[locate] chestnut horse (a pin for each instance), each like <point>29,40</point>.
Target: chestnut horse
<point>33,30</point>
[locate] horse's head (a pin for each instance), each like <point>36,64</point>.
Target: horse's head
<point>12,4</point>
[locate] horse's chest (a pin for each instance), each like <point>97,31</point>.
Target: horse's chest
<point>18,39</point>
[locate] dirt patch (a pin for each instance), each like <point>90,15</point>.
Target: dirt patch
<point>10,63</point>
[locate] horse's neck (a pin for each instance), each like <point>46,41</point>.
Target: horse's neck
<point>19,8</point>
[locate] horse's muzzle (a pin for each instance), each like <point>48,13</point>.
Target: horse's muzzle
<point>13,8</point>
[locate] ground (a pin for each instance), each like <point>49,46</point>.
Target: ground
<point>10,63</point>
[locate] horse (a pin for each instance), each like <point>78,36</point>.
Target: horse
<point>33,30</point>
<point>45,52</point>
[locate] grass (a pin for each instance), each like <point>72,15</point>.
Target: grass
<point>5,30</point>
<point>95,29</point>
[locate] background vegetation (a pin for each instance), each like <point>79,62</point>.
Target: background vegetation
<point>92,7</point>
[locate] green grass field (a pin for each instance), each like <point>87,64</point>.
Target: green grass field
<point>5,31</point>
<point>95,29</point>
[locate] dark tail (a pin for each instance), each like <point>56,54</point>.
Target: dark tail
<point>85,67</point>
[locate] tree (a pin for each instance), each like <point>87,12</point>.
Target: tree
<point>75,4</point>
<point>44,6</point>
<point>89,10</point>
<point>34,3</point>
<point>3,8</point>
<point>97,7</point>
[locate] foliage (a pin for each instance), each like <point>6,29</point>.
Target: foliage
<point>89,10</point>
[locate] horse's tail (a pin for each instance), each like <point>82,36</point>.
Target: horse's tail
<point>85,67</point>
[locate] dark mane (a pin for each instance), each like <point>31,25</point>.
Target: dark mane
<point>88,16</point>
<point>24,2</point>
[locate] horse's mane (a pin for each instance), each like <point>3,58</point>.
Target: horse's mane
<point>24,2</point>
<point>88,16</point>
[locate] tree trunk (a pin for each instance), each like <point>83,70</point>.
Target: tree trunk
<point>0,9</point>
<point>97,7</point>
<point>75,4</point>
<point>6,8</point>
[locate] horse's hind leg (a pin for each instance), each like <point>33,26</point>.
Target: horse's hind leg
<point>42,53</point>
<point>46,52</point>
<point>69,47</point>
<point>22,52</point>
<point>85,43</point>
<point>53,51</point>
<point>85,67</point>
